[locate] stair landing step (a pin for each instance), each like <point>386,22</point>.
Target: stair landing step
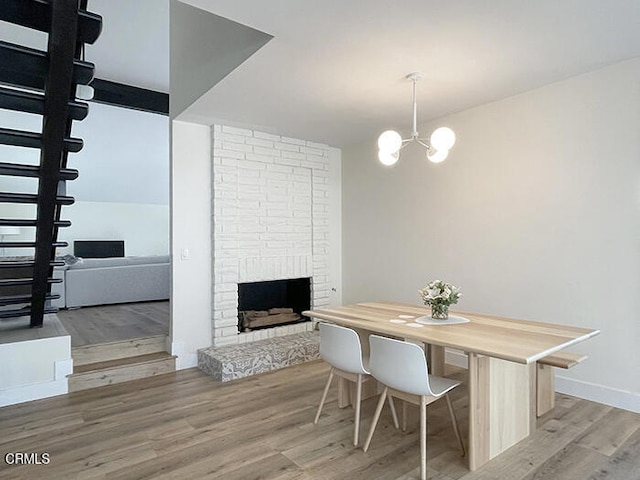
<point>121,362</point>
<point>122,370</point>
<point>104,352</point>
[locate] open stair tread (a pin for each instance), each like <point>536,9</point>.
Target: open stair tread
<point>33,171</point>
<point>30,102</point>
<point>27,67</point>
<point>19,222</point>
<point>23,138</point>
<point>36,14</point>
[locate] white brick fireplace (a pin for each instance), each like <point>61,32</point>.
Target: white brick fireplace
<point>270,222</point>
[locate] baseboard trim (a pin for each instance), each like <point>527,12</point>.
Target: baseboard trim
<point>577,388</point>
<point>456,358</point>
<point>37,391</point>
<point>187,360</point>
<point>599,393</point>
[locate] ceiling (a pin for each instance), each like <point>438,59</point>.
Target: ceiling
<point>334,71</point>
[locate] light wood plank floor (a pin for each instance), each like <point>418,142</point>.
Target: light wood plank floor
<point>112,323</point>
<point>184,425</point>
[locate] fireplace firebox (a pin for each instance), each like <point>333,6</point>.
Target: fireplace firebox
<point>273,303</point>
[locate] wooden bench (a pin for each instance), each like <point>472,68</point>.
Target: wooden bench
<point>545,379</point>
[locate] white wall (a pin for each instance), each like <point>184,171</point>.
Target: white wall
<point>143,227</point>
<point>535,215</point>
<point>190,230</point>
<point>34,369</point>
<point>123,188</point>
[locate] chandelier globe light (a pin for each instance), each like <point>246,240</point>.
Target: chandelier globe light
<point>390,142</point>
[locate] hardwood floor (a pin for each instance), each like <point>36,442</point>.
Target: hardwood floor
<point>185,425</point>
<point>112,323</point>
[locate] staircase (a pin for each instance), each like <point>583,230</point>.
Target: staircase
<point>116,362</point>
<point>42,83</point>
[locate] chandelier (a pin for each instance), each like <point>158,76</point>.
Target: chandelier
<point>390,142</point>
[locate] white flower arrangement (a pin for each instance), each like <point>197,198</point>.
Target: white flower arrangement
<point>440,293</point>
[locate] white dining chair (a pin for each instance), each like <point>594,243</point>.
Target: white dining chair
<point>340,347</point>
<point>402,368</point>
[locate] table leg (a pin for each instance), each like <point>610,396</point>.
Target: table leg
<point>502,404</point>
<point>347,391</point>
<point>545,389</point>
<point>344,392</point>
<point>436,360</point>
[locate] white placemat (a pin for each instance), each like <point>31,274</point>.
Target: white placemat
<point>452,320</point>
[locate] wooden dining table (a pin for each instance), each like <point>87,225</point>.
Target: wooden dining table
<point>502,355</point>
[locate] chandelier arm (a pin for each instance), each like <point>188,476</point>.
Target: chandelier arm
<point>404,144</point>
<point>423,143</point>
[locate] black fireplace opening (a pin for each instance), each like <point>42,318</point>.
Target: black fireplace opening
<point>273,303</point>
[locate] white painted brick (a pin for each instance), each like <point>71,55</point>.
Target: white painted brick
<point>227,162</point>
<point>312,151</point>
<point>276,176</point>
<point>223,153</point>
<point>293,155</point>
<point>251,165</point>
<point>229,137</point>
<point>320,175</point>
<point>225,169</point>
<point>319,208</point>
<point>229,322</point>
<point>279,213</point>
<point>274,221</point>
<point>256,228</point>
<point>321,146</point>
<point>294,141</point>
<point>319,159</point>
<point>259,142</point>
<point>313,164</point>
<point>246,194</point>
<point>267,136</point>
<point>287,161</point>
<point>317,194</point>
<point>230,312</point>
<point>271,152</point>
<point>219,341</point>
<point>227,287</point>
<point>278,252</point>
<point>236,147</point>
<point>299,222</point>
<point>227,277</point>
<point>255,181</point>
<point>279,168</point>
<point>248,173</point>
<point>260,157</point>
<point>237,131</point>
<point>301,206</point>
<point>286,146</point>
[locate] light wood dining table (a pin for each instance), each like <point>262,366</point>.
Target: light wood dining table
<point>502,355</point>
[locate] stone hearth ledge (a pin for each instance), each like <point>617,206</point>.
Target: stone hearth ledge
<point>231,362</point>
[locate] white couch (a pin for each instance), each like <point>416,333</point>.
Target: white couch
<point>103,281</point>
